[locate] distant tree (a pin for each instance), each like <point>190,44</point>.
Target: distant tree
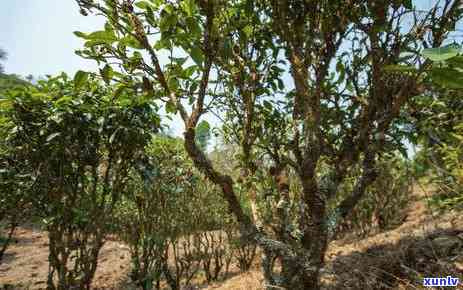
<point>2,58</point>
<point>11,81</point>
<point>342,108</point>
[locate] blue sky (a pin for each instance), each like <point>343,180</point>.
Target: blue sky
<point>37,35</point>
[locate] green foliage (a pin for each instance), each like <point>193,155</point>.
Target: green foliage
<point>80,79</point>
<point>438,120</point>
<point>446,172</point>
<point>441,53</point>
<point>14,186</point>
<point>203,135</point>
<point>386,202</point>
<point>171,216</point>
<point>76,145</point>
<point>446,66</point>
<point>10,82</point>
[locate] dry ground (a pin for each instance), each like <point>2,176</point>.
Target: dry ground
<point>27,262</point>
<point>397,259</point>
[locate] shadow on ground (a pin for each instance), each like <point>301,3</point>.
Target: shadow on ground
<point>399,265</point>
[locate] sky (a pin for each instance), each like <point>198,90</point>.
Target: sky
<point>38,36</point>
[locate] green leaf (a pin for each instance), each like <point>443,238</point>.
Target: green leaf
<point>179,60</point>
<point>268,105</point>
<point>447,77</point>
<point>441,53</point>
<point>167,22</point>
<point>80,78</point>
<point>190,7</point>
<point>119,91</point>
<point>143,5</point>
<point>107,73</point>
<point>80,34</point>
<point>189,71</point>
<point>103,35</point>
<point>281,85</point>
<point>171,108</point>
<point>150,16</point>
<point>197,55</point>
<point>91,43</point>
<point>456,62</point>
<point>63,100</point>
<point>193,25</point>
<point>131,41</point>
<point>173,83</point>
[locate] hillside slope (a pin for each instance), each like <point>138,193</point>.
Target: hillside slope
<point>424,245</point>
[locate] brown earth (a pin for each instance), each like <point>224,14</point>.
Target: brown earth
<point>26,262</point>
<point>424,244</point>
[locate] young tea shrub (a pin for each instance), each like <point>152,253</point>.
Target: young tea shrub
<point>150,215</point>
<point>447,177</point>
<point>386,201</point>
<point>15,182</point>
<point>80,145</point>
<point>172,220</point>
<point>438,121</point>
<point>14,201</point>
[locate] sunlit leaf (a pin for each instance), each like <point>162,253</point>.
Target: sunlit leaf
<point>103,35</point>
<point>106,73</point>
<point>197,55</point>
<point>80,78</point>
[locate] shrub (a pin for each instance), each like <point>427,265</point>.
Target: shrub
<point>79,145</point>
<point>386,201</point>
<point>172,220</point>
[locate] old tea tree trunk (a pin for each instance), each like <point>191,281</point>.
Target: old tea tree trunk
<point>303,88</point>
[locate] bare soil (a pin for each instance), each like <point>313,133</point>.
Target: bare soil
<point>26,262</point>
<point>425,243</point>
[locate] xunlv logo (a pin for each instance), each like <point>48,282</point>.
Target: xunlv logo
<point>449,282</point>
